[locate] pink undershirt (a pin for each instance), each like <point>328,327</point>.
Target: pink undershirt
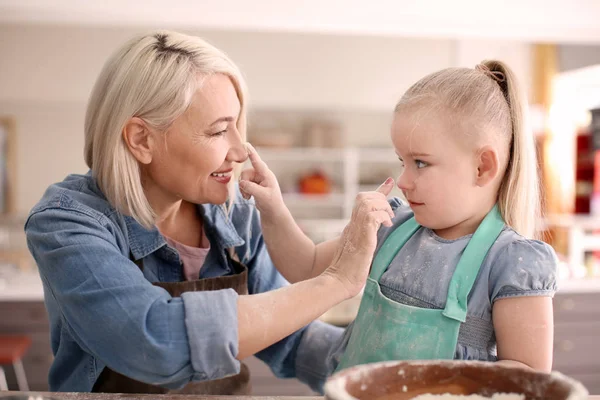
<point>192,257</point>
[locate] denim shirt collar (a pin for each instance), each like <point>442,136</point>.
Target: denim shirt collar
<point>143,242</point>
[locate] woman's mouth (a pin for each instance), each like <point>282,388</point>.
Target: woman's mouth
<point>222,177</point>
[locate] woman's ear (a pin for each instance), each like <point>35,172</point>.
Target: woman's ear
<point>487,166</point>
<point>138,139</point>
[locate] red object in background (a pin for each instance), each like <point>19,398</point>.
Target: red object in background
<point>585,172</point>
<point>596,177</point>
<point>315,183</point>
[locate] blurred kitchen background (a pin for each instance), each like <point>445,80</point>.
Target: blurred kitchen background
<point>323,78</point>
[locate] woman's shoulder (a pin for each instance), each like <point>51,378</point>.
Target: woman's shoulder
<point>77,193</point>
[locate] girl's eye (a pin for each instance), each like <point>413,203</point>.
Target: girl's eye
<point>420,164</point>
<point>401,162</point>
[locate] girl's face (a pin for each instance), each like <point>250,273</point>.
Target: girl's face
<point>439,173</point>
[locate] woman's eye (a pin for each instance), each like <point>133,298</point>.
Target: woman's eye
<point>220,133</point>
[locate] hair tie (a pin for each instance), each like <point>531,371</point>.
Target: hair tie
<point>495,75</point>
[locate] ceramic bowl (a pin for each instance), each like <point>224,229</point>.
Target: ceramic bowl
<point>400,380</point>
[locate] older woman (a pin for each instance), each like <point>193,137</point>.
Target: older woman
<point>155,271</point>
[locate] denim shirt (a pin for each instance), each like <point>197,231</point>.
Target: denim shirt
<point>420,273</point>
<point>104,311</point>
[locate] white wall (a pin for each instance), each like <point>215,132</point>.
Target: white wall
<point>286,70</point>
<point>49,145</point>
<point>46,74</point>
<point>528,20</point>
<point>517,55</point>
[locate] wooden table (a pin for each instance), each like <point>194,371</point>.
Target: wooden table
<point>107,396</point>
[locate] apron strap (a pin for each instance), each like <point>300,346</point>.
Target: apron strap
<point>391,246</point>
<point>468,266</point>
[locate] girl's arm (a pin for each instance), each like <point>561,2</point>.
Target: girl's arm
<point>524,329</point>
<point>294,254</point>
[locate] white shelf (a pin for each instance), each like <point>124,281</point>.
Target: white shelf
<point>301,154</point>
<point>376,155</point>
<point>367,155</point>
<point>314,200</point>
<point>368,188</point>
<point>346,166</point>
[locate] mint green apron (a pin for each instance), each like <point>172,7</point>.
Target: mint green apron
<point>385,330</point>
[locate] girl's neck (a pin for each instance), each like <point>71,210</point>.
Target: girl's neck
<point>465,227</point>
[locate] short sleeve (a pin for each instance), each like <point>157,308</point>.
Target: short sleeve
<point>524,268</point>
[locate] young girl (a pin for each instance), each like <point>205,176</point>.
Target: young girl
<point>458,274</point>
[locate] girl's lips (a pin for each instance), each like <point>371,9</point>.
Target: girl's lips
<point>412,203</point>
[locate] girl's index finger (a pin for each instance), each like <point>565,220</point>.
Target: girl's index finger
<point>257,162</point>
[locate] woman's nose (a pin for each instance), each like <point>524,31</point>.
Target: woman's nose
<point>237,151</point>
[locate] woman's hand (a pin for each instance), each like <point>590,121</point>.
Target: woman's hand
<point>266,318</point>
<point>260,182</point>
<point>353,257</point>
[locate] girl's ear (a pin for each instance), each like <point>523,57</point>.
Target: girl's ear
<point>487,166</point>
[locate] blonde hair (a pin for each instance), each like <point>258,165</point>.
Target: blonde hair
<point>152,77</point>
<point>489,98</point>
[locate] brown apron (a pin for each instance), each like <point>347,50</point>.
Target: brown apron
<point>110,381</point>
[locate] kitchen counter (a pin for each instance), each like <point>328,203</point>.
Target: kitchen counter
<point>27,285</point>
<point>576,353</point>
<point>106,396</point>
<point>22,286</point>
<point>109,396</point>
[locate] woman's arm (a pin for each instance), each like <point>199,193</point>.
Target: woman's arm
<point>113,313</point>
<point>268,317</point>
<point>137,329</point>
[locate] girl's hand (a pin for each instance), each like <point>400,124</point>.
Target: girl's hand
<point>260,182</point>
